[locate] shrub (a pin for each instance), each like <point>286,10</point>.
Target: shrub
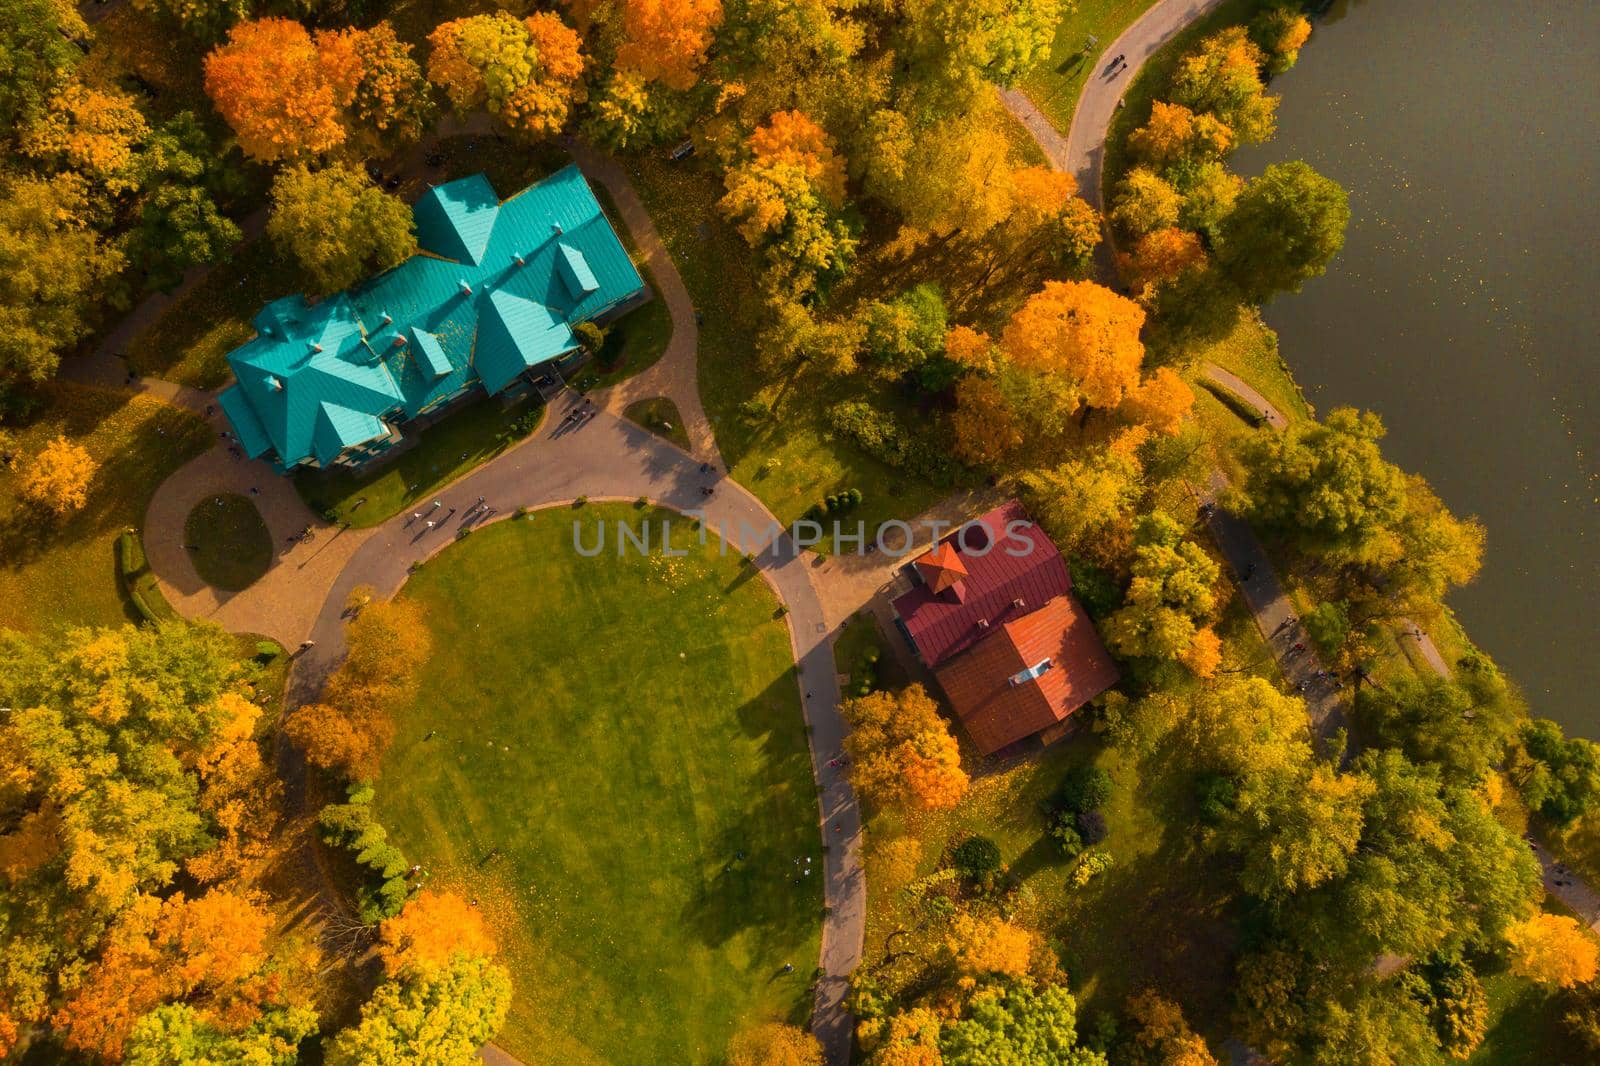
<point>1085,788</point>
<point>592,336</point>
<point>1064,831</point>
<point>139,582</point>
<point>1090,866</point>
<point>527,422</point>
<point>1092,827</point>
<point>756,410</point>
<point>977,858</point>
<point>1328,625</point>
<point>882,436</point>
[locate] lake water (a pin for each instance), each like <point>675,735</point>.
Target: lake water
<point>1465,307</point>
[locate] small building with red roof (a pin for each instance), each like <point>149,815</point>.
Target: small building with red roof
<point>993,615</point>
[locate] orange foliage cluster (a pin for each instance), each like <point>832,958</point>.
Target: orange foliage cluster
<point>57,480</point>
<point>350,730</point>
<point>667,40</point>
<point>1083,332</point>
<point>985,431</point>
<point>1553,950</point>
<point>433,928</point>
<point>1162,401</point>
<point>902,750</point>
<point>211,952</point>
<point>1161,255</point>
<point>792,137</point>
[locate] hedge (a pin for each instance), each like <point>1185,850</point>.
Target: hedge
<point>133,570</point>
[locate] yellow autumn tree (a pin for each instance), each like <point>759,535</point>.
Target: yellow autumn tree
<point>1083,333</point>
<point>774,1044</point>
<point>992,946</point>
<point>1204,653</point>
<point>1174,133</point>
<point>57,479</point>
<point>1161,401</point>
<point>667,40</point>
<point>95,132</point>
<point>1161,1035</point>
<point>1553,949</point>
<point>792,137</point>
<point>430,931</point>
<point>525,71</point>
<point>902,752</point>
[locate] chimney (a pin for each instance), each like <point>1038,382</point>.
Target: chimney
<point>521,262</point>
<point>315,347</point>
<point>556,227</point>
<point>387,318</point>
<point>465,288</point>
<point>983,623</point>
<point>399,340</point>
<point>1018,603</point>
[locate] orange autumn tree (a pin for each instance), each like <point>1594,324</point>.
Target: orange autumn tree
<point>1083,334</point>
<point>212,952</point>
<point>525,71</point>
<point>1159,256</point>
<point>430,931</point>
<point>985,431</point>
<point>351,728</point>
<point>240,792</point>
<point>792,137</point>
<point>1175,133</point>
<point>1161,401</point>
<point>271,86</point>
<point>1553,949</point>
<point>984,947</point>
<point>667,40</point>
<point>902,752</point>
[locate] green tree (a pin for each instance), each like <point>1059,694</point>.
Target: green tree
<point>338,225</point>
<point>906,333</point>
<point>38,55</point>
<point>441,1016</point>
<point>1561,776</point>
<point>1325,486</point>
<point>1020,1025</point>
<point>54,271</point>
<point>1461,728</point>
<point>180,224</point>
<point>1295,829</point>
<point>1449,991</point>
<point>958,47</point>
<point>174,1035</point>
<point>1085,502</point>
<point>1284,229</point>
<point>1145,202</point>
<point>207,20</point>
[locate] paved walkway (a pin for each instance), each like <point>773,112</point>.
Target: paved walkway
<point>609,458</point>
<point>676,374</point>
<point>1247,392</point>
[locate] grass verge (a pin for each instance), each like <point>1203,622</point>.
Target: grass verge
<point>660,416</point>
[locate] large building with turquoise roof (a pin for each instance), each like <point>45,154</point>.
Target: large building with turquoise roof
<point>488,302</point>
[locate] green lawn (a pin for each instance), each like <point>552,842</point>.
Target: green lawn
<point>1056,82</point>
<point>55,573</point>
<point>1525,1027</point>
<point>228,542</point>
<point>860,652</point>
<point>615,733</point>
<point>457,443</point>
<point>660,416</point>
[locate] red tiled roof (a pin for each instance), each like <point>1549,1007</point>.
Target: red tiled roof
<point>978,682</point>
<point>942,568</point>
<point>943,622</point>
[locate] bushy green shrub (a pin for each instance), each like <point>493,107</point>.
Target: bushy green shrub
<point>882,436</point>
<point>1064,831</point>
<point>1092,827</point>
<point>977,858</point>
<point>1090,866</point>
<point>1085,788</point>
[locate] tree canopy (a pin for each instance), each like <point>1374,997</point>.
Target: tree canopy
<point>338,225</point>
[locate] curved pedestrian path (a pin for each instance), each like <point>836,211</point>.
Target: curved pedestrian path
<point>607,458</point>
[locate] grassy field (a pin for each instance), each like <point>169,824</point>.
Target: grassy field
<point>66,572</point>
<point>620,777</point>
<point>660,416</point>
<point>459,442</point>
<point>228,542</point>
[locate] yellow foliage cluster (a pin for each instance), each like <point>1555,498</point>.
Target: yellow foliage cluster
<point>91,131</point>
<point>57,479</point>
<point>1553,950</point>
<point>524,70</point>
<point>902,752</point>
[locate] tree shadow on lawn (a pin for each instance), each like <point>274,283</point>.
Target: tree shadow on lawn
<point>757,888</point>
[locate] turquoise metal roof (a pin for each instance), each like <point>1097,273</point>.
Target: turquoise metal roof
<point>455,220</point>
<point>494,293</point>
